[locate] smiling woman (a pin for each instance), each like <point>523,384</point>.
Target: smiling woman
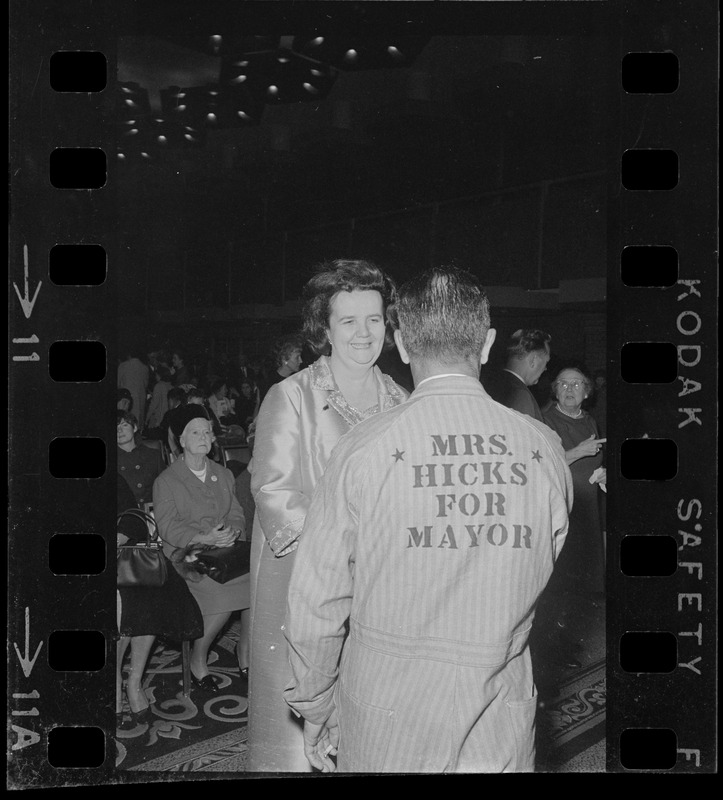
<point>300,421</point>
<point>356,327</point>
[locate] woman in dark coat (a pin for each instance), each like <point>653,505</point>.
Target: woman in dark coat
<point>144,613</point>
<point>138,464</point>
<point>581,565</point>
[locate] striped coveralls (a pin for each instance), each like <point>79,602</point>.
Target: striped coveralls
<point>433,532</point>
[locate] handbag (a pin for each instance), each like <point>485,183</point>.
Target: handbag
<point>142,564</point>
<point>223,564</point>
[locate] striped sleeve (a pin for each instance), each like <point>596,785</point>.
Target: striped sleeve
<point>320,593</point>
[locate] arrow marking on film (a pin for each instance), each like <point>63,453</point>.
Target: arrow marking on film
<point>26,662</point>
<point>25,300</point>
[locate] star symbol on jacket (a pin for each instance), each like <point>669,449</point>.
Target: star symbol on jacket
<point>536,455</point>
<point>399,455</point>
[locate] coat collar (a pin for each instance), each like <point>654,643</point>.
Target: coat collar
<point>184,473</point>
<point>322,379</point>
<point>457,384</point>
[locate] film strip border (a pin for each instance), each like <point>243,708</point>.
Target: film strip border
<point>661,584</point>
<point>662,291</point>
<point>61,611</point>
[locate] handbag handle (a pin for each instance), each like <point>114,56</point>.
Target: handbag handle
<point>152,531</point>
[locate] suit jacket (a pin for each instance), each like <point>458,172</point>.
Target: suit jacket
<point>183,506</point>
<point>511,391</point>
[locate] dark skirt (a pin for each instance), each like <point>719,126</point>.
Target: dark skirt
<point>580,567</point>
<point>169,610</point>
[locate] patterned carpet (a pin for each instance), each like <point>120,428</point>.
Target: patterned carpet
<point>571,713</point>
<point>205,733</point>
<point>187,734</point>
<point>573,722</point>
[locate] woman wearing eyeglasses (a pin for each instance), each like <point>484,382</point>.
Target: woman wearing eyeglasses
<point>581,566</point>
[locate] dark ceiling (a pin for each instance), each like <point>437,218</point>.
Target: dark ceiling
<point>480,108</point>
<point>471,113</point>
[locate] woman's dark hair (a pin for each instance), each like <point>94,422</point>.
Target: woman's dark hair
<point>217,385</point>
<point>126,416</point>
<point>163,373</point>
<point>342,275</point>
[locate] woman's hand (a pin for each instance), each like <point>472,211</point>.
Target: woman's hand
<point>222,535</point>
<point>219,536</point>
<point>588,447</point>
<point>599,476</point>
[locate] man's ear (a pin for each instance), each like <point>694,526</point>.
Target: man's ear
<point>489,341</point>
<point>400,346</point>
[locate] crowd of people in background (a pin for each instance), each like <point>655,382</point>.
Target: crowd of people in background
<point>177,419</point>
<point>151,385</point>
<point>163,397</point>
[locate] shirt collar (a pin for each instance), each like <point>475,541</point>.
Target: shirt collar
<point>516,375</point>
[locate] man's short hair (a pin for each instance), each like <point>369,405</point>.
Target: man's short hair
<point>527,340</point>
<point>443,314</point>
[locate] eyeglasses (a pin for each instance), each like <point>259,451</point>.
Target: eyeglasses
<point>570,385</point>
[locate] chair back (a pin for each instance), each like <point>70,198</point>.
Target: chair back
<point>168,457</point>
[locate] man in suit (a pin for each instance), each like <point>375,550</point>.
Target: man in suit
<point>528,352</point>
<point>431,534</point>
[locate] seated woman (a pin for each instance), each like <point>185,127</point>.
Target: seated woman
<point>247,404</point>
<point>220,403</point>
<point>143,614</point>
<point>138,464</point>
<point>195,504</point>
